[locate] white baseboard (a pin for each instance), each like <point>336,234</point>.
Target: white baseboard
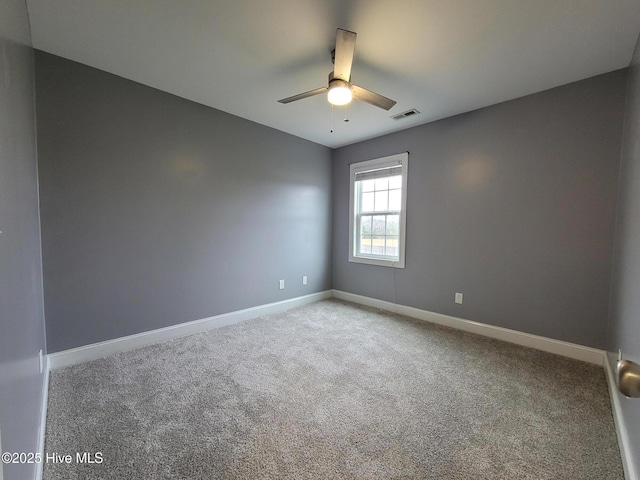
<point>102,349</point>
<point>621,430</point>
<point>43,417</point>
<point>566,349</point>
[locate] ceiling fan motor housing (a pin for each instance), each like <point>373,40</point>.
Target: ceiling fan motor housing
<point>337,82</point>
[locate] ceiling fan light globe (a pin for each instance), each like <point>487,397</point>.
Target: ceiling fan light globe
<point>339,95</point>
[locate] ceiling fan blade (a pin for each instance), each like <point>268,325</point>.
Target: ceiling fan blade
<point>345,45</point>
<point>300,96</point>
<point>372,97</point>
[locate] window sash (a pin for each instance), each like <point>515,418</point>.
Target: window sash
<point>373,235</point>
<point>359,213</point>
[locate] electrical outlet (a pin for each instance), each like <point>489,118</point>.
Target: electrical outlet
<point>40,360</point>
<point>281,284</point>
<point>619,355</point>
<point>459,298</point>
<point>304,280</point>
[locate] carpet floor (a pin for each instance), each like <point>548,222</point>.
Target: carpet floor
<point>332,391</point>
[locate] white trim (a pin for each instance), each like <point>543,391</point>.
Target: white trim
<point>621,430</point>
<point>401,159</point>
<point>43,417</point>
<point>122,344</point>
<point>559,347</point>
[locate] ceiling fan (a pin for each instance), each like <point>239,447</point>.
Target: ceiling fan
<point>340,90</point>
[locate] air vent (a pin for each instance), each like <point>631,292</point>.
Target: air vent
<point>406,114</point>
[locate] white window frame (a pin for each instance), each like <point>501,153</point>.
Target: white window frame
<point>401,159</point>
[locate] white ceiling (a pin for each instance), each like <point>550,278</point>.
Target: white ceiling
<point>442,57</point>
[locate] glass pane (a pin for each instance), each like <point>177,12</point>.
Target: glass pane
<point>393,225</point>
<point>367,185</point>
<point>365,234</point>
<point>395,181</point>
<point>394,200</point>
<point>382,183</point>
<point>367,202</point>
<point>365,225</point>
<point>378,225</point>
<point>377,245</point>
<point>391,246</point>
<point>382,201</point>
<point>365,244</point>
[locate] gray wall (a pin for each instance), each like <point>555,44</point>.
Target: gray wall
<point>513,205</point>
<point>21,311</point>
<point>157,211</point>
<point>624,322</point>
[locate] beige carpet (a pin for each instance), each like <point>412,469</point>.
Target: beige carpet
<point>333,390</point>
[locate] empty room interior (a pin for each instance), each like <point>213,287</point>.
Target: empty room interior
<point>320,239</point>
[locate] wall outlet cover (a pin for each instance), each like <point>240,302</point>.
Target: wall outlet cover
<point>304,280</point>
<point>281,284</point>
<point>459,298</point>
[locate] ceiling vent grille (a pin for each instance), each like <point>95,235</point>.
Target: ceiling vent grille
<point>406,114</point>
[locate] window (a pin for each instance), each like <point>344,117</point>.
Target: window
<point>377,206</point>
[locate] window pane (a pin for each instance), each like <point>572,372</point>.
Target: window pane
<point>365,244</point>
<point>394,200</point>
<point>365,234</point>
<point>382,183</point>
<point>393,225</point>
<point>395,181</point>
<point>367,185</point>
<point>378,225</point>
<point>365,225</point>
<point>391,246</point>
<point>382,201</point>
<point>367,202</point>
<point>377,245</point>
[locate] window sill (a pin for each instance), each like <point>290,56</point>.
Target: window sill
<point>377,261</point>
